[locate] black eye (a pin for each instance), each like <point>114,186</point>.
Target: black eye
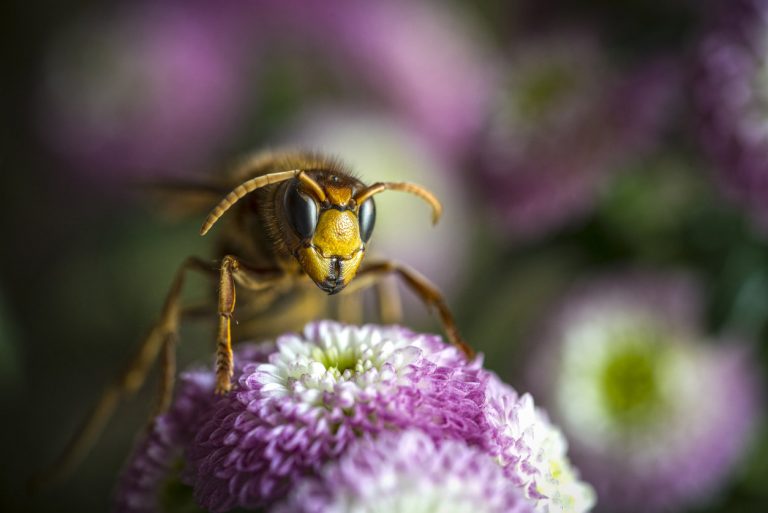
<point>367,218</point>
<point>301,209</point>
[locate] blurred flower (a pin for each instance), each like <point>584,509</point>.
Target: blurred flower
<point>656,418</point>
<point>408,473</point>
<point>561,122</point>
<point>425,59</point>
<point>381,149</point>
<point>321,393</point>
<point>731,98</point>
<point>156,87</point>
<point>150,88</point>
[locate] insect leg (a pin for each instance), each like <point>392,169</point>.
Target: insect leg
<point>388,299</point>
<point>425,290</point>
<point>161,336</point>
<point>232,270</point>
<point>167,374</point>
<point>350,308</point>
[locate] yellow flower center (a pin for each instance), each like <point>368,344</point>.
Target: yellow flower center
<point>629,383</point>
<point>336,361</point>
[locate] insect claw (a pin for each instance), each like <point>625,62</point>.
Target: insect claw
<point>223,387</point>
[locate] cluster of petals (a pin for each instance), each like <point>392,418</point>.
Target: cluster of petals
<point>533,451</point>
<point>159,453</point>
<point>409,472</point>
<point>308,402</point>
<point>319,392</point>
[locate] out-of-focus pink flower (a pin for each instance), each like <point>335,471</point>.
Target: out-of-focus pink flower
<point>730,95</point>
<point>155,87</point>
<point>145,89</point>
<point>423,60</point>
<point>657,416</point>
<point>561,122</point>
<point>427,61</point>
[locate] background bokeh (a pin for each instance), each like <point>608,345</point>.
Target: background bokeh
<point>572,142</point>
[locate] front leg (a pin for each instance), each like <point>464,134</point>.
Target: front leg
<point>423,288</point>
<point>232,270</point>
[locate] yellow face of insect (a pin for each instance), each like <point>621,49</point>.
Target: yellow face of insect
<point>331,235</point>
<point>335,251</point>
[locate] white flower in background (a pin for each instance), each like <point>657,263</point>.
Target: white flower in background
<point>656,415</point>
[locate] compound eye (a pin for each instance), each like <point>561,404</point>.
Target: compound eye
<point>366,216</point>
<point>301,210</point>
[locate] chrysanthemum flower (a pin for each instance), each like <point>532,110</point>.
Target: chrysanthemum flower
<point>730,94</point>
<point>319,393</point>
<point>561,122</point>
<point>408,473</point>
<point>656,416</point>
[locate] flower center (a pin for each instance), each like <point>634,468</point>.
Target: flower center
<point>629,383</point>
<point>336,361</point>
